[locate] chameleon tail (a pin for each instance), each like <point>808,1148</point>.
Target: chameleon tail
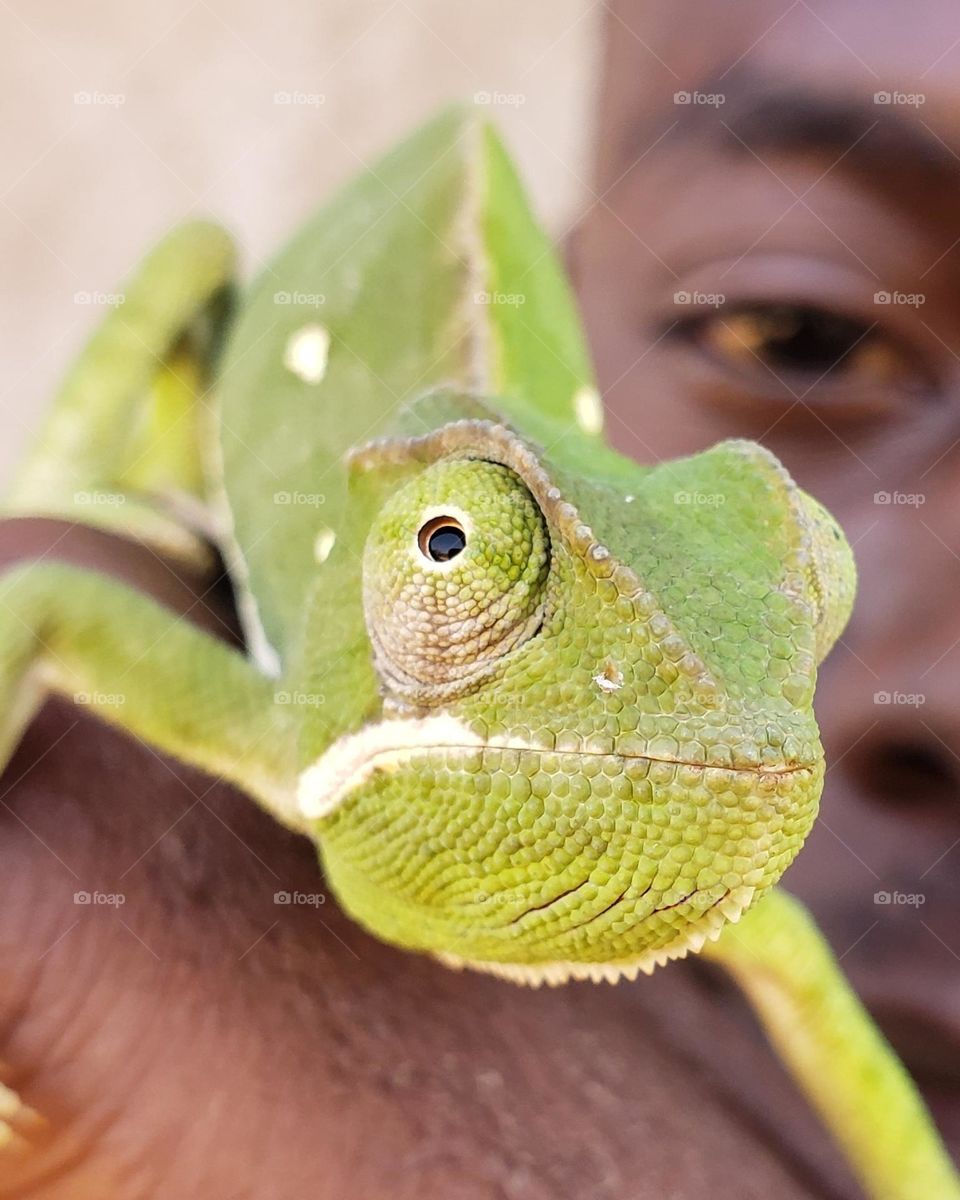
<point>838,1056</point>
<point>121,448</point>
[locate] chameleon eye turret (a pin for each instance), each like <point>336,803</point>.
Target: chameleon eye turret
<point>454,571</point>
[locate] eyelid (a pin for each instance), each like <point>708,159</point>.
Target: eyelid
<point>809,275</point>
<point>802,280</point>
<point>852,398</point>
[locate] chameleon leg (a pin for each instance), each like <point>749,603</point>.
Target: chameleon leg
<point>82,635</point>
<point>121,446</point>
<point>836,1053</point>
<point>74,632</point>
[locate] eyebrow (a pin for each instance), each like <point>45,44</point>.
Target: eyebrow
<point>880,142</point>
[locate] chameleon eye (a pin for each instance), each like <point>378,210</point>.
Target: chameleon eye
<point>441,539</point>
<point>454,570</point>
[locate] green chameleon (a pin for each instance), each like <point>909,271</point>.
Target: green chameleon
<point>544,712</point>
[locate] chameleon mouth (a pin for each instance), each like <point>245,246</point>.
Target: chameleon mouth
<point>391,745</point>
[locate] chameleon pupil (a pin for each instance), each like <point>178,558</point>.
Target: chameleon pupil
<point>441,538</point>
<point>446,543</point>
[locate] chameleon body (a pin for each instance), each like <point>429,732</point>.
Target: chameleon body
<point>545,712</point>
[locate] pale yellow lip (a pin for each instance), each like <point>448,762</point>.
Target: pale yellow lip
<point>389,745</point>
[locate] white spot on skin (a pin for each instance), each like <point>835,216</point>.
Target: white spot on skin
<point>387,745</point>
<point>306,352</point>
<point>610,679</point>
<point>588,410</point>
<point>323,543</point>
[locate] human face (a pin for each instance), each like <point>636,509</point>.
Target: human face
<point>773,252</point>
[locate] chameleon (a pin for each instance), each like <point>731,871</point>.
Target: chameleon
<point>544,712</point>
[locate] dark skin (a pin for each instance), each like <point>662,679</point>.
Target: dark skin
<point>798,198</point>
<point>201,1041</point>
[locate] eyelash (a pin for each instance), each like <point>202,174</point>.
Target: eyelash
<point>822,348</point>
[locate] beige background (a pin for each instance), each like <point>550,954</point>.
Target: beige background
<point>118,119</point>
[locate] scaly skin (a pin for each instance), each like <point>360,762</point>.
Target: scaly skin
<point>573,737</point>
<point>607,787</point>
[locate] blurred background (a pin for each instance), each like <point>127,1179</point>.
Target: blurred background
<point>117,120</point>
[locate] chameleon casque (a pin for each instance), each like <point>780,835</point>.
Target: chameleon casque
<point>545,712</point>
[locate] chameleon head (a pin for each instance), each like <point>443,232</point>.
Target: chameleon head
<point>596,743</point>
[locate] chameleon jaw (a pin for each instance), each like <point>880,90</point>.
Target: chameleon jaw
<point>393,745</point>
<point>708,927</point>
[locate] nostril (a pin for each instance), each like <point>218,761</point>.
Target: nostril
<point>911,772</point>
